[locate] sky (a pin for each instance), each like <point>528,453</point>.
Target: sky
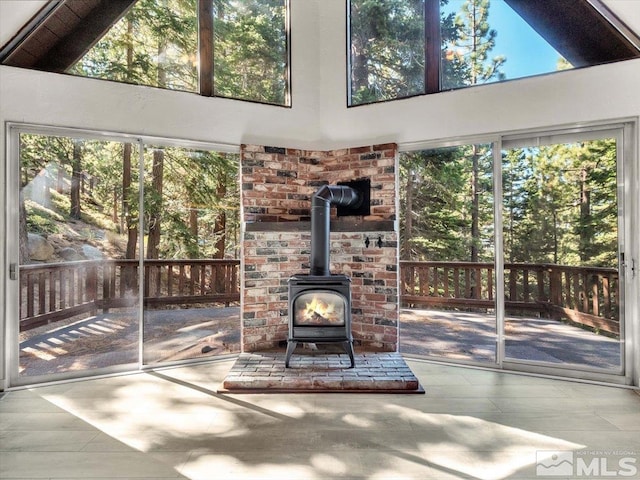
<point>526,52</point>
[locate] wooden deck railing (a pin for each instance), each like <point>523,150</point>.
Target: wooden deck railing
<point>585,295</point>
<point>52,292</point>
<point>55,291</point>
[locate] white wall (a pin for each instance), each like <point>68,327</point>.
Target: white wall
<point>51,99</point>
<point>318,118</point>
<point>592,94</point>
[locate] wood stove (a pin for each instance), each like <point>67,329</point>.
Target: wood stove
<point>320,312</point>
<point>320,303</point>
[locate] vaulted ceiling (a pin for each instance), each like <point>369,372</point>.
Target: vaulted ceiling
<point>579,31</point>
<point>62,32</point>
<point>585,32</point>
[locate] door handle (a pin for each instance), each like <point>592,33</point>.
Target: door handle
<point>13,271</point>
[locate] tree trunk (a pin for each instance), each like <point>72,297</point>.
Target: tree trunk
<point>162,56</point>
<point>155,213</point>
<point>408,219</point>
<point>475,205</point>
<point>23,233</point>
<point>114,214</point>
<point>131,224</point>
<point>76,180</point>
<point>193,230</point>
<point>59,179</point>
<point>193,227</point>
<point>359,57</point>
<point>585,213</point>
<point>359,71</point>
<point>129,49</point>
<point>219,229</point>
<point>554,215</point>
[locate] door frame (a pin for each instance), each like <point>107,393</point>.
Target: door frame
<point>621,132</point>
<point>628,166</point>
<point>11,291</point>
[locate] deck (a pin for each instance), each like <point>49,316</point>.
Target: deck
<point>196,333</point>
<point>82,315</point>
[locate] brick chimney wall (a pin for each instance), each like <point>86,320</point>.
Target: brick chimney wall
<point>277,184</point>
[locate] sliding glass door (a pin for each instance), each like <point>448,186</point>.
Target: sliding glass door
<point>448,253</point>
<point>534,280</point>
<point>190,263</point>
<point>563,236</point>
<point>121,254</point>
<point>77,288</point>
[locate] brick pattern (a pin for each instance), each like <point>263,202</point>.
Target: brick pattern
<point>277,185</point>
<point>374,372</point>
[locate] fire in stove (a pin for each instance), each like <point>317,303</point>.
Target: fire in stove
<point>319,308</point>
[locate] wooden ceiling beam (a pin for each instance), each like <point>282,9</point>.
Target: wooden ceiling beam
<point>68,30</point>
<point>97,21</point>
<point>576,30</point>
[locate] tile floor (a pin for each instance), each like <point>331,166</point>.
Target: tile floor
<point>470,424</point>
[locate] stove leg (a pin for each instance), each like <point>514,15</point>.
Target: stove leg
<point>291,346</point>
<point>348,346</point>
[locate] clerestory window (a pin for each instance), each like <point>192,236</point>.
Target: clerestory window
<point>155,44</point>
<point>251,50</point>
<point>227,48</point>
<point>403,48</point>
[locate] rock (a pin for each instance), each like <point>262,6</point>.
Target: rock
<point>70,254</point>
<point>207,349</point>
<point>92,253</point>
<point>40,248</point>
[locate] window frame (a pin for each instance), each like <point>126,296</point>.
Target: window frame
<point>49,43</point>
<point>433,47</point>
<point>206,58</point>
<point>431,54</point>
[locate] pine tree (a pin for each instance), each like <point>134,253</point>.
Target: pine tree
<point>250,50</point>
<point>471,45</point>
<point>154,44</point>
<point>387,49</point>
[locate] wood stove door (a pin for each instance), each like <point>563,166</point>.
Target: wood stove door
<point>320,308</point>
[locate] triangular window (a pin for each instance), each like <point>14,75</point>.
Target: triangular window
<point>230,48</point>
<point>155,44</point>
<point>403,48</point>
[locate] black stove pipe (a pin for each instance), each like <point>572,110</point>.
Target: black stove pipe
<point>320,212</point>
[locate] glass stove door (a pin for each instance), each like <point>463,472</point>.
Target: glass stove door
<point>318,308</point>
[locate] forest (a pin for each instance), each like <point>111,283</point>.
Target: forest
<point>89,189</point>
<point>157,44</point>
<point>558,204</point>
<point>559,201</point>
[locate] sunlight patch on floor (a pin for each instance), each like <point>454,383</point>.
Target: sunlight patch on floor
<point>479,447</point>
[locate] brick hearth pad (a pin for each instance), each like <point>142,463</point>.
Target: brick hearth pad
<point>376,372</point>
